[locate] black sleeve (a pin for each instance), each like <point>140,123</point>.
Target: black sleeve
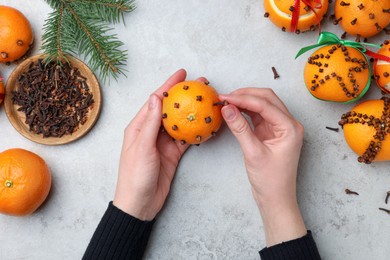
<point>119,236</point>
<point>303,248</point>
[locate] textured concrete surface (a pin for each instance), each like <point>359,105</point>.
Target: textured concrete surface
<point>210,213</point>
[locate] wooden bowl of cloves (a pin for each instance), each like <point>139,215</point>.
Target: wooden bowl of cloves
<point>52,103</point>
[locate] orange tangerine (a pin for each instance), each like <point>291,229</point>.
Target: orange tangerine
<point>190,113</point>
<point>366,130</point>
<point>337,73</point>
<point>365,18</point>
<point>25,182</point>
<point>280,13</point>
<point>382,69</point>
<point>15,34</point>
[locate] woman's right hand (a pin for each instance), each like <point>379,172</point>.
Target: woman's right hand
<point>271,151</point>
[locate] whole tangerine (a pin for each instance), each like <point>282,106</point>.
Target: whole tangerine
<point>366,130</point>
<point>191,113</point>
<point>25,182</point>
<point>337,73</point>
<point>16,34</point>
<point>382,69</point>
<point>280,14</point>
<point>363,18</point>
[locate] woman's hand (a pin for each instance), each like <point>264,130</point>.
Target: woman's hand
<point>149,158</point>
<point>271,151</point>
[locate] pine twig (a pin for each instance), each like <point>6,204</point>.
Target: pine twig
<point>81,26</point>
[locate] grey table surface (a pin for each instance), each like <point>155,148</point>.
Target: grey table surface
<point>210,213</point>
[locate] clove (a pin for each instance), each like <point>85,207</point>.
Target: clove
<point>387,197</point>
<point>276,75</point>
<point>222,103</point>
<point>348,191</point>
<point>336,129</point>
<point>385,210</point>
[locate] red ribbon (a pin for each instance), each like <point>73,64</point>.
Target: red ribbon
<point>296,11</point>
<point>377,56</point>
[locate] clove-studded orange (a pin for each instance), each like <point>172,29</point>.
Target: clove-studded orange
<point>337,73</point>
<point>363,18</point>
<point>16,35</point>
<point>191,112</point>
<point>25,181</point>
<point>367,129</point>
<point>1,90</point>
<point>382,68</point>
<point>280,13</point>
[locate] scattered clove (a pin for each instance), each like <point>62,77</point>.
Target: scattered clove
<point>336,129</point>
<point>276,75</point>
<point>348,191</point>
<point>385,210</point>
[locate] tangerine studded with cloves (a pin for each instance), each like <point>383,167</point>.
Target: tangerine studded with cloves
<point>382,68</point>
<point>363,18</point>
<point>337,73</point>
<point>191,112</point>
<point>16,36</point>
<point>367,129</point>
<point>280,13</point>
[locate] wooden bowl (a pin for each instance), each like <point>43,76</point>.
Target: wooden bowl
<point>18,118</point>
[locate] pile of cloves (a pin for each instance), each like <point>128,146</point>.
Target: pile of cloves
<point>381,125</point>
<point>55,99</point>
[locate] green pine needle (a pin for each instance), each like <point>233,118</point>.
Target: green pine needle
<point>82,27</point>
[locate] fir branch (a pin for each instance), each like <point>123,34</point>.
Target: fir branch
<point>101,48</point>
<point>104,10</point>
<point>82,25</point>
<point>53,3</point>
<point>51,41</point>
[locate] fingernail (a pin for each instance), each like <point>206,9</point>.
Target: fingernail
<point>228,113</point>
<point>152,101</point>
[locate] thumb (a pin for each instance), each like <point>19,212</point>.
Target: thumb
<point>239,127</point>
<point>152,123</point>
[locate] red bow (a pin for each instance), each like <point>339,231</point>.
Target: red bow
<point>295,14</point>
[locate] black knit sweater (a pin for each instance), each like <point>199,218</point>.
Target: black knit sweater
<point>121,236</point>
